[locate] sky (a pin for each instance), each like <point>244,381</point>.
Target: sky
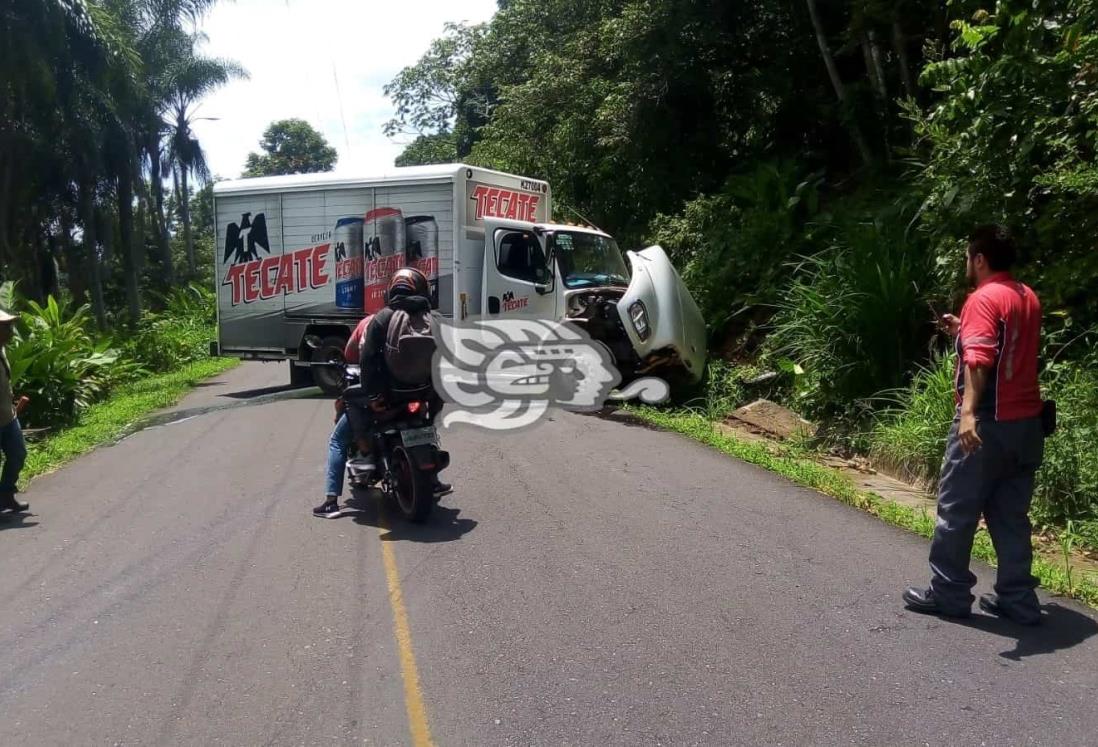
<point>306,58</point>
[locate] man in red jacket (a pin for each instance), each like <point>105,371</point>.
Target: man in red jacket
<point>996,443</point>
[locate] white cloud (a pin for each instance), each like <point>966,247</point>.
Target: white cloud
<point>296,50</point>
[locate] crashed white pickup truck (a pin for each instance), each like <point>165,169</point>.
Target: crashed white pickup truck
<point>311,254</point>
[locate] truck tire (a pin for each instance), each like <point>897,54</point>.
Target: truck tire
<point>330,380</point>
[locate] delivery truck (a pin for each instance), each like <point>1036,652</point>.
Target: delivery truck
<point>311,254</point>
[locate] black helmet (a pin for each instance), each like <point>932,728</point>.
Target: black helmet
<point>408,281</point>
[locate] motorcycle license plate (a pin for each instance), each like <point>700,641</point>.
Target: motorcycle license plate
<point>419,436</point>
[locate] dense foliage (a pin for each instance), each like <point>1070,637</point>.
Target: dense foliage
<point>813,167</point>
<point>97,102</point>
<point>63,364</point>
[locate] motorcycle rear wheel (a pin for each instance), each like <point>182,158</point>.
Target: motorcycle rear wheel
<point>413,489</point>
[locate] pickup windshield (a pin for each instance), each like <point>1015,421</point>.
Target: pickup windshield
<point>587,259</point>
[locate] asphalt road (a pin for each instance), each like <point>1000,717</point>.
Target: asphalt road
<point>588,583</point>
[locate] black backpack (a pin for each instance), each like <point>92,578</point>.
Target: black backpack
<point>410,347</point>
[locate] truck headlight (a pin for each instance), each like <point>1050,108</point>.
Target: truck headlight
<point>639,316</point>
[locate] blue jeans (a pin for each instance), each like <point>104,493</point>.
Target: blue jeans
<point>338,445</point>
<point>15,454</point>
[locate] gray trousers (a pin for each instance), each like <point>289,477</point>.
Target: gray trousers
<point>996,481</point>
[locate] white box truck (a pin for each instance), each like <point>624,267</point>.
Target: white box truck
<point>312,254</point>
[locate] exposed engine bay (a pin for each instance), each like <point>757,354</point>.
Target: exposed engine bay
<point>596,312</point>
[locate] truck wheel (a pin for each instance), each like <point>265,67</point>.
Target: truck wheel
<point>330,380</point>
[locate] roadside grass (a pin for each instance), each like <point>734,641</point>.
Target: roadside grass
<point>109,419</point>
<point>801,470</point>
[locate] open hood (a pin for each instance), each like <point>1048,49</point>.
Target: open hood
<point>660,315</point>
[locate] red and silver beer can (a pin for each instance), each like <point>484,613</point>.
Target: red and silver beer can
<point>384,253</point>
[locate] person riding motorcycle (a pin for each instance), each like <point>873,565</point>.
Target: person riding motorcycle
<point>408,291</point>
<point>339,442</point>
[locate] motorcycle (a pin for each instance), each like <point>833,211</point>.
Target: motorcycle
<point>405,446</point>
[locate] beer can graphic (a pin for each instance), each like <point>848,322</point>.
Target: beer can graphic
<point>422,250</point>
<point>349,268</point>
<point>384,253</point>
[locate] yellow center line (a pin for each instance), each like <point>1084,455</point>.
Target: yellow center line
<point>413,694</point>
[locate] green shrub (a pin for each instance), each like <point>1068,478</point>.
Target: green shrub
<point>852,323</point>
<point>1067,486</point>
<point>178,335</point>
<point>729,386</point>
<point>910,435</point>
<point>732,246</point>
<point>57,364</point>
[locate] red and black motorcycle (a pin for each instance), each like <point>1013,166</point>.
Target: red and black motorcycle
<point>405,447</point>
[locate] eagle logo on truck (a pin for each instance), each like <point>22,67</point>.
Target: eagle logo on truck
<point>252,278</point>
<point>504,374</point>
<point>241,239</point>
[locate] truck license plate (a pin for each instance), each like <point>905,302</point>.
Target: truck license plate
<point>419,437</point>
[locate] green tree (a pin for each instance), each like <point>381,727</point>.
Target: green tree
<point>1012,135</point>
<point>428,149</point>
<point>84,87</point>
<point>429,93</point>
<point>291,146</point>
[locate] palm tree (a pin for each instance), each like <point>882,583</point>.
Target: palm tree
<point>42,103</point>
<point>191,78</point>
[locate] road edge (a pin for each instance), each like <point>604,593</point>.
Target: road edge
<point>823,479</point>
<point>109,419</point>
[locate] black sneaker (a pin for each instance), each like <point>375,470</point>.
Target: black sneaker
<point>442,488</point>
<point>9,503</point>
<point>329,510</point>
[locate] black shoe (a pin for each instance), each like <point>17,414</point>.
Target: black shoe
<point>922,600</point>
<point>329,510</point>
<point>989,603</point>
<point>442,488</point>
<point>9,503</point>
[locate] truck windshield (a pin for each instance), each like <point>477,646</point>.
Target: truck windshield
<point>587,259</point>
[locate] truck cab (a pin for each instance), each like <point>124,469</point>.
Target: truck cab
<point>633,302</point>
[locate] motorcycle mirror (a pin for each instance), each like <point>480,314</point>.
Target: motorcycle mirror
<point>313,342</point>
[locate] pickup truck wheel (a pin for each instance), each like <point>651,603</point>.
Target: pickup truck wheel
<point>330,380</point>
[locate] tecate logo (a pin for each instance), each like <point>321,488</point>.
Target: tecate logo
<point>263,279</point>
<point>493,202</point>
